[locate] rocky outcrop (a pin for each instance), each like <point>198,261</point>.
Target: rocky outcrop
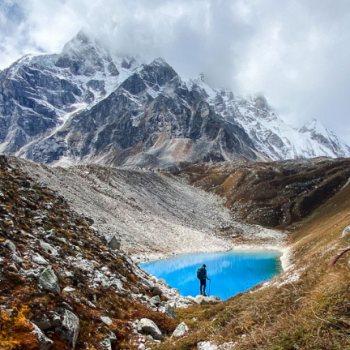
<point>58,273</point>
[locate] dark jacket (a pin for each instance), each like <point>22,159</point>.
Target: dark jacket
<point>202,273</point>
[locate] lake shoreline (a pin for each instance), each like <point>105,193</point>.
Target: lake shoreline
<point>284,249</point>
<point>234,271</point>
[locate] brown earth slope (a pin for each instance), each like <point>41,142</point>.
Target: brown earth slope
<point>307,307</point>
<point>272,194</point>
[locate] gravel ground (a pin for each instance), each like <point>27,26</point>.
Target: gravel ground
<point>153,214</point>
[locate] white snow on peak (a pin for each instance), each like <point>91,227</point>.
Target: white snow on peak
<point>269,133</point>
<point>159,61</point>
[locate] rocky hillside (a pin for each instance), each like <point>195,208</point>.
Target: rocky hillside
<point>66,283</point>
<point>272,194</point>
<point>306,307</point>
<point>63,285</point>
<point>151,213</point>
<point>88,105</point>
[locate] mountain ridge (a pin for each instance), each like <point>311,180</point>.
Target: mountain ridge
<point>87,105</point>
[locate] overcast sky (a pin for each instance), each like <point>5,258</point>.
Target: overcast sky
<point>296,53</point>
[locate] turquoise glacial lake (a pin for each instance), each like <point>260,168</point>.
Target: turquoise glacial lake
<point>230,272</point>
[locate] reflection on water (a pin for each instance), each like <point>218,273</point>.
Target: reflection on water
<point>230,272</point>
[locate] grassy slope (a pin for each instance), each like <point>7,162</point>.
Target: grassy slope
<point>312,312</point>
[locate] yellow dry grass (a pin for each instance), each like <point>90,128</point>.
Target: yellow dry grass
<point>311,311</point>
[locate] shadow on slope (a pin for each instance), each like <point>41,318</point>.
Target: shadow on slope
<point>272,194</point>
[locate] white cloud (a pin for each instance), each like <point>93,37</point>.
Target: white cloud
<point>295,52</point>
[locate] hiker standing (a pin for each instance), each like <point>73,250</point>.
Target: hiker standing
<point>202,276</point>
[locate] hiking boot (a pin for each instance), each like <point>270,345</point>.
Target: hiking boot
<point>204,294</point>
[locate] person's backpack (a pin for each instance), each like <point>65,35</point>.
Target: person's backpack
<point>201,273</point>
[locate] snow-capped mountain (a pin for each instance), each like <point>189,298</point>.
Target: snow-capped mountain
<point>87,105</point>
<point>269,133</point>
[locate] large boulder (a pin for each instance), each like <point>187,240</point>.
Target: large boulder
<point>156,291</point>
<point>170,310</point>
<point>202,299</point>
<point>69,329</point>
<point>48,281</point>
<point>113,242</point>
<point>180,330</point>
<point>147,326</point>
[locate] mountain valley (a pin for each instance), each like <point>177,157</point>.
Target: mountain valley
<point>108,161</point>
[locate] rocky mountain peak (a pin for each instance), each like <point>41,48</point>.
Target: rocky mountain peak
<point>87,104</point>
<point>313,125</point>
<point>83,55</point>
<point>260,102</point>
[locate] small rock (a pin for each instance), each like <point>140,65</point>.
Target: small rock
<point>206,345</point>
<point>13,268</point>
<point>162,281</point>
<point>17,259</point>
<point>56,320</point>
<point>113,242</point>
<point>141,347</point>
<point>148,327</point>
<point>89,303</point>
<point>69,274</point>
<point>106,320</point>
<point>155,300</point>
<point>106,344</point>
<point>67,306</point>
<point>43,323</point>
<point>112,337</point>
<point>48,248</point>
<point>10,245</point>
<point>38,259</point>
<point>135,290</point>
<point>48,281</point>
<point>214,299</point>
<point>51,234</point>
<point>180,330</point>
<point>202,299</point>
<point>44,342</point>
<point>346,231</point>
